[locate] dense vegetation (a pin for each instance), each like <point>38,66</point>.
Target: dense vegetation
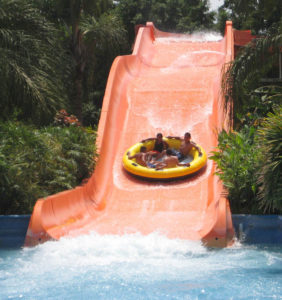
<point>55,57</point>
<point>249,158</point>
<point>35,163</point>
<point>167,15</point>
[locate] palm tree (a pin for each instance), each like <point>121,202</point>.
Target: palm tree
<point>243,75</point>
<point>89,28</point>
<point>270,174</point>
<point>241,81</point>
<point>30,59</point>
<point>104,39</point>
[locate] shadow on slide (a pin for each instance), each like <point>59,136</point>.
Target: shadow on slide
<point>170,84</point>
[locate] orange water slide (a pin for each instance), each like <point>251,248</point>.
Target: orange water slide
<point>170,84</point>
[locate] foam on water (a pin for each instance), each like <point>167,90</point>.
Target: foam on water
<point>102,258</point>
<point>139,267</point>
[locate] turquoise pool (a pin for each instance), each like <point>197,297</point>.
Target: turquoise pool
<point>138,267</point>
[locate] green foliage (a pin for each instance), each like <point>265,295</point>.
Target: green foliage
<point>167,15</point>
<point>91,114</point>
<point>238,158</point>
<point>104,38</point>
<point>270,174</point>
<point>262,101</point>
<point>57,54</point>
<point>249,99</point>
<point>49,52</point>
<point>65,10</point>
<point>37,163</point>
<point>30,64</point>
<point>241,82</point>
<point>94,36</point>
<point>259,16</point>
<point>250,166</point>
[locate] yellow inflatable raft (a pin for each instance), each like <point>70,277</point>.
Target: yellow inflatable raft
<point>197,162</point>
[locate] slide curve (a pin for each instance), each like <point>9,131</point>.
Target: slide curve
<point>170,84</point>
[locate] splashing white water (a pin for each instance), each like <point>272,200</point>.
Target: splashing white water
<point>94,251</point>
<point>138,267</point>
<point>200,36</point>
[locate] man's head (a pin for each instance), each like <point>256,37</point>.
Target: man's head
<point>159,136</point>
<point>143,149</point>
<point>187,136</point>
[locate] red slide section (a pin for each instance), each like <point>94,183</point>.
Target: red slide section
<point>170,84</point>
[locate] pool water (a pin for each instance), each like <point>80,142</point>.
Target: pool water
<point>140,267</point>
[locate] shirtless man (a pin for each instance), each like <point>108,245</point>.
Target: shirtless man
<point>169,161</point>
<point>140,157</point>
<point>185,146</point>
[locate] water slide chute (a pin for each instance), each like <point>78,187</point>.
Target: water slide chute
<point>170,84</point>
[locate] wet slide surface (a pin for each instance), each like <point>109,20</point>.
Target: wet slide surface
<point>170,84</point>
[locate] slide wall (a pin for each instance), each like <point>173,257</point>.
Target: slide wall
<point>170,84</point>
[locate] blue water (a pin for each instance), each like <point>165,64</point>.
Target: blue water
<point>140,267</point>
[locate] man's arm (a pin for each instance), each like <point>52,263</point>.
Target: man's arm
<point>130,156</point>
<point>160,165</point>
<point>184,164</point>
<point>199,150</point>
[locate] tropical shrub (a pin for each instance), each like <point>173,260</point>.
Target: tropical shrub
<point>238,158</point>
<point>270,173</point>
<point>91,114</point>
<point>35,163</point>
<point>249,99</point>
<point>263,100</point>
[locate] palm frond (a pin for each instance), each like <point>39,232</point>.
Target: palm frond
<point>30,62</point>
<point>270,174</point>
<point>246,70</point>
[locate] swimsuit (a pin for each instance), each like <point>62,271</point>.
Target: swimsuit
<point>177,153</point>
<point>150,165</point>
<point>159,147</point>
